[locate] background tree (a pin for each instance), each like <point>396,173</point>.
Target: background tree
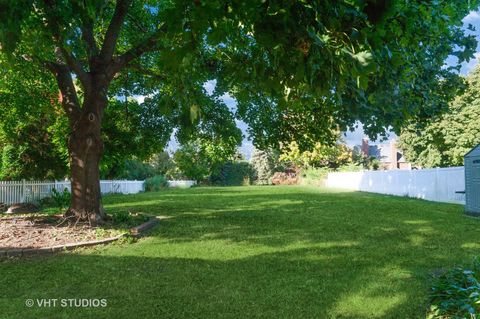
<point>29,137</point>
<point>321,155</point>
<point>162,163</point>
<point>201,158</point>
<point>264,164</point>
<point>445,139</point>
<point>297,69</point>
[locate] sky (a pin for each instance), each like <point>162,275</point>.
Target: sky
<point>355,137</point>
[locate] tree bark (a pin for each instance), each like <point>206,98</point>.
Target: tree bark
<point>85,146</point>
<point>85,151</point>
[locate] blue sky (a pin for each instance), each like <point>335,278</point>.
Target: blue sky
<point>352,138</point>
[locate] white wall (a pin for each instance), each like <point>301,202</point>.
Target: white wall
<point>439,184</point>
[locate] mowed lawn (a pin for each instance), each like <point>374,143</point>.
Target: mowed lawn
<point>255,252</point>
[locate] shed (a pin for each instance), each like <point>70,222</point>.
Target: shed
<point>472,181</point>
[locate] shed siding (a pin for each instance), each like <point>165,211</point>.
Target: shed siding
<point>472,181</point>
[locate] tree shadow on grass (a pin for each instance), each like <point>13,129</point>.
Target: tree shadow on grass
<point>290,254</point>
<point>301,283</point>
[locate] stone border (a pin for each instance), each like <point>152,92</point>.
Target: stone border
<point>135,232</point>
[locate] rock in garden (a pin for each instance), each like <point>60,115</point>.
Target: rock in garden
<point>22,208</point>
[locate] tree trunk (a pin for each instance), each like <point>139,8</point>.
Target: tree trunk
<point>85,150</point>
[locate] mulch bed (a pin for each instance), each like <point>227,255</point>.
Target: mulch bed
<point>44,231</point>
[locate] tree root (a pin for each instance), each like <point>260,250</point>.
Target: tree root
<point>73,217</point>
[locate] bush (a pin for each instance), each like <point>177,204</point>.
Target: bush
<point>122,217</point>
<point>350,168</point>
<point>155,183</point>
<point>264,164</point>
<point>314,176</point>
<point>456,293</point>
<point>233,174</point>
<point>135,170</point>
<point>58,199</point>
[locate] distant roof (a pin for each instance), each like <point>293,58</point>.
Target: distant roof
<point>382,153</point>
<point>474,151</point>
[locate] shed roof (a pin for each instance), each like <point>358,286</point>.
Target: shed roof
<point>474,151</point>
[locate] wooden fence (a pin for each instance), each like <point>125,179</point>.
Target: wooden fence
<point>31,191</point>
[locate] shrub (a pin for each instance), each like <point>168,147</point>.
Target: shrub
<point>122,217</point>
<point>350,168</point>
<point>456,293</point>
<point>135,170</point>
<point>58,199</point>
<point>233,173</point>
<point>155,183</point>
<point>265,164</point>
<point>314,176</point>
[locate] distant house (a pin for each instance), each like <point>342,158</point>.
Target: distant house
<point>386,153</point>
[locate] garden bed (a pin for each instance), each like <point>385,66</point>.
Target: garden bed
<point>43,233</point>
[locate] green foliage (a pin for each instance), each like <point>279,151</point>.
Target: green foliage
<point>360,160</point>
<point>264,164</point>
<point>122,217</point>
<point>351,167</point>
<point>29,129</point>
<point>135,170</point>
<point>234,174</point>
<point>324,65</point>
<point>444,140</point>
<point>320,155</point>
<point>61,199</point>
<point>192,162</point>
<point>314,176</point>
<point>298,69</point>
<point>155,183</point>
<point>456,294</point>
<point>132,132</point>
<point>317,176</point>
<point>33,138</point>
<point>162,163</point>
<point>201,158</point>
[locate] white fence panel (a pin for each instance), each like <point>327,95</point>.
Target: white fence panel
<point>439,184</point>
<point>30,191</point>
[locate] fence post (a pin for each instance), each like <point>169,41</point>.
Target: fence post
<point>24,191</point>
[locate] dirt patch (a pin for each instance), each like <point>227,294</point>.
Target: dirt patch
<point>17,232</point>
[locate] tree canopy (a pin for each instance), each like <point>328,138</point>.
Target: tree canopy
<point>445,139</point>
<point>299,70</point>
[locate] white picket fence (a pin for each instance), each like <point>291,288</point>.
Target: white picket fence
<point>31,191</point>
<point>439,184</point>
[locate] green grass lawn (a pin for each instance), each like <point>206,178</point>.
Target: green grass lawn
<point>255,252</point>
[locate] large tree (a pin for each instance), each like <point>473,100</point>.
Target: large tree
<point>297,68</point>
<point>33,137</point>
<point>445,139</point>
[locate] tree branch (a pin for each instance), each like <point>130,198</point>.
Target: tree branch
<point>86,28</point>
<point>113,31</point>
<point>74,65</point>
<point>138,68</point>
<point>70,102</point>
<point>87,35</point>
<point>147,45</point>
